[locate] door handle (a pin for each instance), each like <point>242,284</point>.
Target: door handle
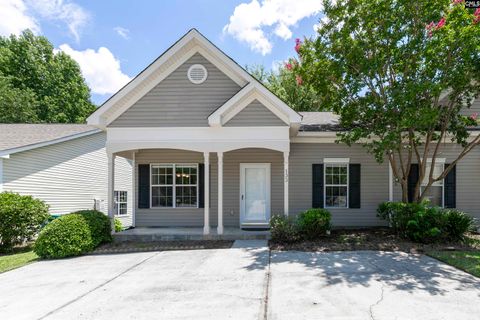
<point>242,196</point>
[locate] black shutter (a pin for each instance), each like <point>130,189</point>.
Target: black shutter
<point>354,186</point>
<point>412,180</point>
<point>201,185</point>
<point>317,186</point>
<point>450,191</point>
<point>143,186</point>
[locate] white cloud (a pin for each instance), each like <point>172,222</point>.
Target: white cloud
<point>14,18</point>
<point>100,68</point>
<point>250,20</point>
<point>122,32</point>
<point>66,11</point>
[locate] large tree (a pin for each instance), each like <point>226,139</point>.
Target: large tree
<point>398,72</point>
<point>40,85</point>
<point>284,83</point>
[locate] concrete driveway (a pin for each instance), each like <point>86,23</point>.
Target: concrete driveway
<point>247,282</point>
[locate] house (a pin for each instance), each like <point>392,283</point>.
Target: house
<point>64,165</point>
<point>211,147</point>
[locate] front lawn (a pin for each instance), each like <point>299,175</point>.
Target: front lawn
<point>468,261</point>
<point>15,260</point>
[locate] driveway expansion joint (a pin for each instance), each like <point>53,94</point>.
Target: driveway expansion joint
<point>98,287</point>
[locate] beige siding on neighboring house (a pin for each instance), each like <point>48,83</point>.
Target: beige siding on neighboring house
<point>68,176</point>
<point>231,201</point>
<point>255,115</point>
<point>176,102</point>
<point>374,181</point>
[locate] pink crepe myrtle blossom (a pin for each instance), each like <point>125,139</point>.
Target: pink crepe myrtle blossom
<point>430,25</point>
<point>441,23</point>
<point>476,18</point>
<point>299,80</point>
<point>288,66</point>
<point>457,1</point>
<point>298,45</point>
<point>474,116</point>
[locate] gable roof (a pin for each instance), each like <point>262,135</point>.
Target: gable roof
<point>192,42</point>
<point>21,137</point>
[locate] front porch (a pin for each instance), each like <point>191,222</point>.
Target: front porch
<point>145,234</point>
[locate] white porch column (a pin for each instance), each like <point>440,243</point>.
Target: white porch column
<point>390,182</point>
<point>111,188</point>
<point>134,188</point>
<point>285,183</point>
<point>220,193</point>
<point>206,202</point>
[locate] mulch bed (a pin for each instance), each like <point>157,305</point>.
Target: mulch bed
<point>124,247</point>
<point>382,239</point>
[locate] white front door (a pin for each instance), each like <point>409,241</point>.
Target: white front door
<point>254,193</point>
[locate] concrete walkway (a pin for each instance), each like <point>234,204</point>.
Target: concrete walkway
<point>244,282</point>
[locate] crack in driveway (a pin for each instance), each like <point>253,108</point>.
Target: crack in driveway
<point>378,301</point>
<point>97,287</point>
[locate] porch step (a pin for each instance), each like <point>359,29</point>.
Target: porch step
<point>181,234</point>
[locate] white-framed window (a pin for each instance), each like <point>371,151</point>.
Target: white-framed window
<point>174,185</point>
<point>435,194</point>
<point>336,184</point>
<point>120,198</point>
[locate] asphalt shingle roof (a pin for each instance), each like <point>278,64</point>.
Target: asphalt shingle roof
<point>14,136</point>
<point>320,121</point>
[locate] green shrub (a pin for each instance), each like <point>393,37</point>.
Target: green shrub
<point>100,225</point>
<point>118,225</point>
<point>283,229</point>
<point>314,223</point>
<point>422,223</point>
<point>66,236</point>
<point>20,219</point>
<point>73,234</point>
<point>458,223</point>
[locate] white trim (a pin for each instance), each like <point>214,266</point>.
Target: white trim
<point>220,193</point>
<point>174,184</point>
<point>336,160</point>
<point>285,183</point>
<point>7,152</point>
<point>197,66</point>
<point>134,188</point>
<point>267,167</point>
<point>437,160</point>
<point>253,91</point>
<point>198,139</point>
<point>111,188</point>
<point>206,201</point>
<point>325,185</point>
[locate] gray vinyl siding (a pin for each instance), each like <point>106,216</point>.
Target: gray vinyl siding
<point>374,182</point>
<point>68,176</point>
<point>255,115</point>
<point>468,178</point>
<point>475,108</point>
<point>176,102</point>
<point>193,217</point>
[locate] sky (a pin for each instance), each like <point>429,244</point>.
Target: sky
<point>113,41</point>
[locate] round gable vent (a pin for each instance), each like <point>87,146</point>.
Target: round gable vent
<point>197,74</point>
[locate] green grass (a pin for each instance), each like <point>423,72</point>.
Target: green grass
<point>15,260</point>
<point>468,261</point>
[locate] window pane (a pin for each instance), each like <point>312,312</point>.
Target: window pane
<point>186,196</point>
<point>434,195</point>
<point>336,197</point>
<point>162,196</point>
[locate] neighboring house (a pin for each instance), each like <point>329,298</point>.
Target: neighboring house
<point>64,165</point>
<point>212,147</point>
